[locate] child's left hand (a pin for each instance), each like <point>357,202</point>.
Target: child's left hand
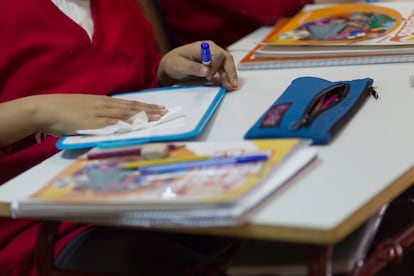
<point>184,64</point>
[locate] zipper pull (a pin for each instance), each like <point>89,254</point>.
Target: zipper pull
<point>298,124</point>
<point>373,92</point>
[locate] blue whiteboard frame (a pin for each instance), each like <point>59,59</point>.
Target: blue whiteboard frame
<point>221,91</point>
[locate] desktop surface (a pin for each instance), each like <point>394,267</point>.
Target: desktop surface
<point>368,164</point>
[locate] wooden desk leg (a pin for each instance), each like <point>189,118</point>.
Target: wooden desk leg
<point>319,260</point>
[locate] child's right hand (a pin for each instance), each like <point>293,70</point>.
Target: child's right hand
<point>66,113</point>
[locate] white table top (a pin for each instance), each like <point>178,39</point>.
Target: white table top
<point>353,176</point>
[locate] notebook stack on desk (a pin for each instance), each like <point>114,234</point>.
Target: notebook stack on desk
<point>199,184</point>
<point>338,34</point>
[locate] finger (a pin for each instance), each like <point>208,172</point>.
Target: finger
<point>230,69</point>
<point>229,83</point>
<point>133,105</point>
<point>120,109</point>
<point>223,63</point>
<point>224,80</point>
<point>154,117</point>
<point>149,108</point>
<point>114,113</point>
<point>216,62</point>
<point>128,108</point>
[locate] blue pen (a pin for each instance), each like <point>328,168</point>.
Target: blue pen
<point>219,161</point>
<point>205,53</point>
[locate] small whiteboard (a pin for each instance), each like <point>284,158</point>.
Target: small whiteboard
<point>198,103</point>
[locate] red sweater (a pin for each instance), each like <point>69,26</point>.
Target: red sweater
<point>223,21</point>
<point>43,51</point>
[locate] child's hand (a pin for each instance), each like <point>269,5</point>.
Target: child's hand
<point>184,64</point>
<point>66,113</point>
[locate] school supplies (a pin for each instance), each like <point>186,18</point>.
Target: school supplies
<point>205,53</point>
<point>197,105</point>
<point>312,108</point>
<point>213,195</point>
<point>204,163</point>
<point>338,34</point>
<point>147,151</point>
<point>157,162</point>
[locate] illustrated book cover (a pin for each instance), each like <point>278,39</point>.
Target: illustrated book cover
<point>208,194</point>
<point>338,34</point>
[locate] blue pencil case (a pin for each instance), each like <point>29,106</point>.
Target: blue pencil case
<point>312,108</point>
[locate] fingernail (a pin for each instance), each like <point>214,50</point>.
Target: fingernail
<point>154,117</point>
<point>235,83</point>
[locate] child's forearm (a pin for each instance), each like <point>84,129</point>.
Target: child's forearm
<point>16,121</point>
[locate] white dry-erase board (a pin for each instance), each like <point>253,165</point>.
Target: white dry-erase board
<point>198,103</point>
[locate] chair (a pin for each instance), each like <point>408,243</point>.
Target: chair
<point>213,261</point>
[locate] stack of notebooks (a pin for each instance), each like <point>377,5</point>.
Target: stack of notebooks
<point>197,184</point>
<point>339,34</point>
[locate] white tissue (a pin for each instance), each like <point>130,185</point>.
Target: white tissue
<point>138,121</point>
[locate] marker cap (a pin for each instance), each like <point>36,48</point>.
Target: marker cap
<point>205,53</point>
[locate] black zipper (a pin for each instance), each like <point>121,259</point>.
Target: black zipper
<point>358,103</point>
<point>325,99</point>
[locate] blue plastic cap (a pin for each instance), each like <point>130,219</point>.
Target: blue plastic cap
<point>205,53</point>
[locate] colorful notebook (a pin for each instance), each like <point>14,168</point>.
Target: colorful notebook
<point>340,34</point>
<point>215,194</point>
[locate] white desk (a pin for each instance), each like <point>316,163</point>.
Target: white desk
<point>368,164</point>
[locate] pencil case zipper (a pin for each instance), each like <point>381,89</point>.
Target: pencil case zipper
<point>368,91</point>
<point>327,99</point>
<point>321,102</point>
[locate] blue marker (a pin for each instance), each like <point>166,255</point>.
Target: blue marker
<point>205,53</point>
<point>219,161</point>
